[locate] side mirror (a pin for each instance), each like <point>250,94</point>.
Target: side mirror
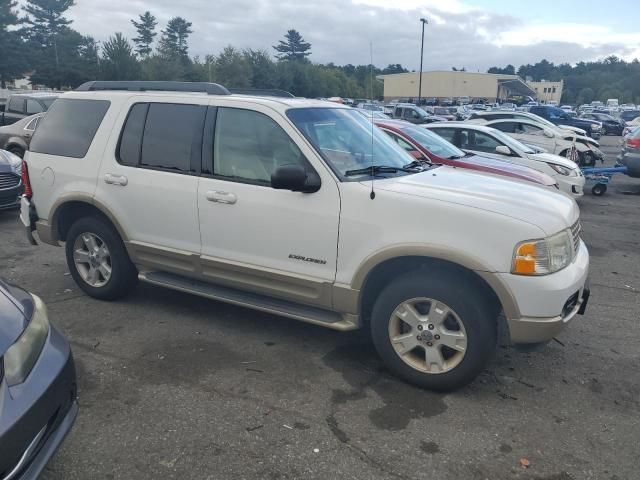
<point>503,150</point>
<point>548,133</point>
<point>295,178</point>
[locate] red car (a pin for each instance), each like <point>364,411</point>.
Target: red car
<point>423,144</point>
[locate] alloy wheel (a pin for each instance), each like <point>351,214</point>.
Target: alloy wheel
<point>92,259</point>
<point>428,335</point>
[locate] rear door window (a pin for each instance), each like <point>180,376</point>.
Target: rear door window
<point>69,127</point>
<point>172,136</point>
<point>131,139</point>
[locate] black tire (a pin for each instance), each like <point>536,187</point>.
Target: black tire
<point>599,189</point>
<point>470,303</point>
<point>124,274</point>
<point>586,159</point>
<point>16,151</point>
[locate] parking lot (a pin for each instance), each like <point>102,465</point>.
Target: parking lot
<point>176,386</point>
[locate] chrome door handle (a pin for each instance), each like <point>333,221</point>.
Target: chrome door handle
<point>221,197</point>
<point>115,179</point>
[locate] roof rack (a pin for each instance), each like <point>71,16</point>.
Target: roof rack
<point>140,86</point>
<point>262,92</point>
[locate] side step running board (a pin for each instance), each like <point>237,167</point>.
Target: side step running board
<point>315,315</point>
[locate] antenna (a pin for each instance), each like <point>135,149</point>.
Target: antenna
<point>372,195</point>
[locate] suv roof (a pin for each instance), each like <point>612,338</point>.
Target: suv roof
<point>37,94</point>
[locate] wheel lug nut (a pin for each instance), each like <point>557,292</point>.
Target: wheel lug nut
<point>419,337</point>
<point>430,344</point>
<point>430,327</point>
<point>420,327</point>
<point>437,337</point>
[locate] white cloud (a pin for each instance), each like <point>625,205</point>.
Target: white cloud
<point>340,30</point>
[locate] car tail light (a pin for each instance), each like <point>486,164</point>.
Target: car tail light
<point>25,180</point>
<point>634,142</point>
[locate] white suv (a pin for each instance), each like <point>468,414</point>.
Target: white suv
<point>303,209</point>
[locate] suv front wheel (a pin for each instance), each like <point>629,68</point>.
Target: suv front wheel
<point>435,330</point>
<point>98,260</point>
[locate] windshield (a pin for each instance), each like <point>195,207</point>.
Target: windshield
<point>544,121</point>
<point>434,143</point>
<point>511,142</point>
<point>348,141</point>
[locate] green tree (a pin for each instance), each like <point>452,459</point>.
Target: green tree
<point>586,95</point>
<point>293,47</point>
<point>263,68</point>
<point>118,60</point>
<point>146,33</point>
<point>174,40</point>
<point>46,23</point>
<point>12,52</point>
<point>232,68</point>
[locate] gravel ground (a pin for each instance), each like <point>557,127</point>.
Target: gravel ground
<point>173,386</point>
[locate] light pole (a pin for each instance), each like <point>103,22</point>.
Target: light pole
<point>424,22</point>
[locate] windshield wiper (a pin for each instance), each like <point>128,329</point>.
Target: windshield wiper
<point>420,164</point>
<point>382,169</point>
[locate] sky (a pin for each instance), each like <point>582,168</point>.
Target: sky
<point>475,34</point>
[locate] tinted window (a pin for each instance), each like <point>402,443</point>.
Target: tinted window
<point>131,139</point>
<point>16,105</point>
<point>507,127</point>
<point>250,146</point>
<point>69,127</point>
<point>172,134</point>
<point>33,107</point>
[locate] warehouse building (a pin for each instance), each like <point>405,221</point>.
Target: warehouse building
<point>548,91</point>
<point>452,84</point>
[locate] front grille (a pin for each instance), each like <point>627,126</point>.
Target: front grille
<point>576,229</point>
<point>9,180</point>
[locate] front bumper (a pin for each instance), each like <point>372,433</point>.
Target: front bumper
<point>574,186</point>
<point>548,303</point>
<point>35,416</point>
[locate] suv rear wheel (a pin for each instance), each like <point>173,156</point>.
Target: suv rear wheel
<point>98,260</point>
<point>436,330</point>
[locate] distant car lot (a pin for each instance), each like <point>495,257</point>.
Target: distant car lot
<point>173,386</point>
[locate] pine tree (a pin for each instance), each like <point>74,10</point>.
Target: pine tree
<point>12,59</point>
<point>146,33</point>
<point>118,60</point>
<point>46,26</point>
<point>173,42</point>
<point>293,47</point>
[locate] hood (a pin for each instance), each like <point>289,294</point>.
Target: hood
<point>557,159</point>
<point>577,130</point>
<point>13,313</point>
<point>5,166</point>
<point>499,167</point>
<point>551,211</point>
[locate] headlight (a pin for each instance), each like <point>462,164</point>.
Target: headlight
<point>544,256</point>
<point>22,355</point>
<point>14,161</point>
<point>560,169</point>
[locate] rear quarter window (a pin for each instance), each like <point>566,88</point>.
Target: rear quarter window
<point>69,127</point>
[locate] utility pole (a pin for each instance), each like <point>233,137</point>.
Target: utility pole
<point>424,22</point>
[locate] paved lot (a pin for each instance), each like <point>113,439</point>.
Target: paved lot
<point>177,387</point>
